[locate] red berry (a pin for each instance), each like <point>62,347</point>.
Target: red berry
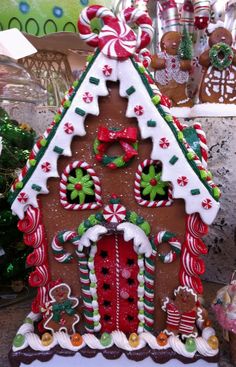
<point>153,182</point>
<point>78,187</point>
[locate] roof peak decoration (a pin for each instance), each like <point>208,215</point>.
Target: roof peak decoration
<point>116,39</point>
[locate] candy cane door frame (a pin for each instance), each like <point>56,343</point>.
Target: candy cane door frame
<point>116,268</point>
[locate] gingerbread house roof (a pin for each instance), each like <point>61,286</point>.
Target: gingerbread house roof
<point>181,165</point>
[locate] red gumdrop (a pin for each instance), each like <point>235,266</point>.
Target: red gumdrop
<point>98,157</point>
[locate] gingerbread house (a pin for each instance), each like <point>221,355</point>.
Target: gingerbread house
<point>114,200</point>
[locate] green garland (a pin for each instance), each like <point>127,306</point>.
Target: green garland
<point>98,218</point>
<point>215,55</point>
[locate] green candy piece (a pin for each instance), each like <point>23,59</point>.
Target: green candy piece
<point>190,345</point>
<point>19,340</point>
<point>28,320</point>
<point>105,339</point>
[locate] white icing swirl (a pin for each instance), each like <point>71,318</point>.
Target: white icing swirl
<point>94,343</point>
<point>117,337</point>
<point>179,347</point>
<point>207,332</point>
<point>152,341</point>
<point>204,348</point>
<point>122,342</point>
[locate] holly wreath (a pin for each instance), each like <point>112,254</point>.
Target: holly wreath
<point>221,55</point>
<point>126,137</point>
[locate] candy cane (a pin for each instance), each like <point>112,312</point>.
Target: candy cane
<point>203,143</point>
<point>168,237</point>
<point>144,57</point>
<point>192,264</point>
<point>57,245</point>
<point>116,39</point>
<point>140,18</point>
<point>84,22</point>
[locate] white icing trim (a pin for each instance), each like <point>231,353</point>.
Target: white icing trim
<point>120,70</point>
<point>185,288</point>
<point>118,338</point>
<point>140,240</point>
<point>92,234</point>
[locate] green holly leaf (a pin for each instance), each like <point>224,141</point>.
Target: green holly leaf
<point>144,184</point>
<point>147,190</point>
<point>159,190</point>
<point>72,179</point>
<point>79,174</point>
<point>74,194</point>
<point>152,171</point>
<point>85,178</point>
<point>88,184</point>
<point>145,177</point>
<point>153,194</point>
<point>88,191</point>
<point>81,197</point>
<point>70,186</point>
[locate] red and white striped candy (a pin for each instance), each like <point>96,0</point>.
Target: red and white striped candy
<point>84,22</point>
<point>46,167</point>
<point>164,143</point>
<point>87,97</point>
<point>182,181</point>
<point>107,70</point>
<point>207,204</point>
<point>114,213</point>
<point>68,128</point>
<point>140,18</point>
<point>139,110</point>
<point>23,198</point>
<point>117,40</point>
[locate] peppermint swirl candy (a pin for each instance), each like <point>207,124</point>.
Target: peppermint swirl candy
<point>116,39</point>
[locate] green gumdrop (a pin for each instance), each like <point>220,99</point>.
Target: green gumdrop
<point>28,320</point>
<point>19,340</point>
<point>190,345</point>
<point>105,339</point>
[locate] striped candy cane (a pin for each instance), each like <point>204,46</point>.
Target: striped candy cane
<point>203,143</point>
<point>116,39</point>
<point>187,16</point>
<point>168,237</point>
<point>57,245</point>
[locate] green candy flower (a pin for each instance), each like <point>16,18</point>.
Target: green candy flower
<point>80,186</point>
<point>152,184</point>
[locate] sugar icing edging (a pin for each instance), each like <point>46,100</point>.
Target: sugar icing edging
<point>118,338</point>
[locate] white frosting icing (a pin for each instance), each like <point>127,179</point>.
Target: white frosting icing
<point>207,332</point>
<point>118,338</point>
<point>133,232</point>
<point>204,349</point>
<point>179,347</point>
<point>92,234</point>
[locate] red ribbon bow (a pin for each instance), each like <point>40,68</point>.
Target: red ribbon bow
<point>107,136</point>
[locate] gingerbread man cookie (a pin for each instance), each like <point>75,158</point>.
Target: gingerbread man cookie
<point>62,314</point>
<point>182,312</point>
<point>172,70</point>
<point>219,63</point>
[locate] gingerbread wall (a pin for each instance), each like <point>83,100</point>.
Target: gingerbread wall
<point>118,181</point>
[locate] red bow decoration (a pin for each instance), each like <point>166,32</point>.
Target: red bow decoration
<point>108,136</point>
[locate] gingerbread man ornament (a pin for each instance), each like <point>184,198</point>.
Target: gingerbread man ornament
<point>62,310</point>
<point>172,71</point>
<point>182,313</point>
<point>219,65</point>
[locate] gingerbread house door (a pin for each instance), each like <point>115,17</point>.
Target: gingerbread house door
<point>116,268</point>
